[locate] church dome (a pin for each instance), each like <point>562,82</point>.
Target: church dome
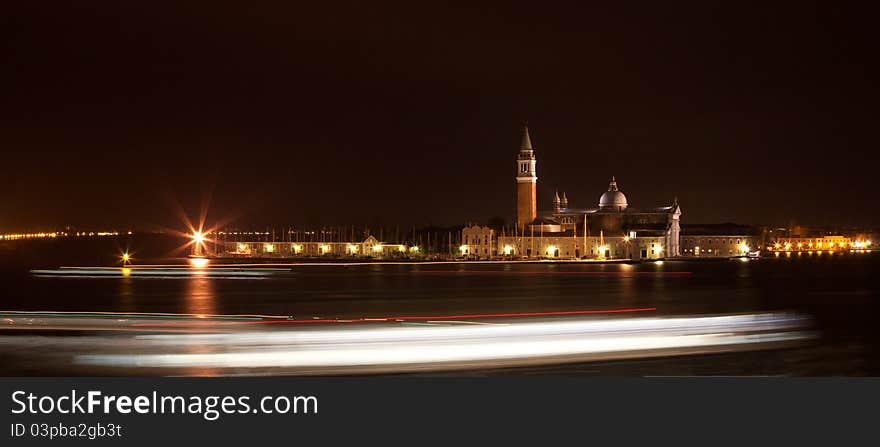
<point>612,199</point>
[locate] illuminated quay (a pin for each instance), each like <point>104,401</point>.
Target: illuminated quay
<point>57,234</point>
<point>244,245</point>
<point>820,245</point>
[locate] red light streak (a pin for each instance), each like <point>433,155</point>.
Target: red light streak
<point>410,317</point>
<point>502,272</point>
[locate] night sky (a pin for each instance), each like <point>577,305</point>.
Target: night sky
<point>114,113</point>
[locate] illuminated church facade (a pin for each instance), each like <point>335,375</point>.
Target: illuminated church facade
<point>610,230</point>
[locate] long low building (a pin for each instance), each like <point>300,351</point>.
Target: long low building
<point>719,240</point>
<point>480,242</point>
<point>369,247</point>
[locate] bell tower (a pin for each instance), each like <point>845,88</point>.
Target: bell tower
<point>526,182</point>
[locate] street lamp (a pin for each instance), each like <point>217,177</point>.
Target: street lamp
<point>198,242</point>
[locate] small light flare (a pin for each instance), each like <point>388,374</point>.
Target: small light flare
<point>198,243</point>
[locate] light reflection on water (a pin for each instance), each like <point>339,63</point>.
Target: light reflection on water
<point>200,299</point>
<point>126,295</point>
<point>673,287</point>
<point>200,296</point>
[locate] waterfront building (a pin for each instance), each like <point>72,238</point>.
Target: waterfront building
<point>718,240</point>
<point>478,242</point>
<point>611,230</point>
<point>369,247</point>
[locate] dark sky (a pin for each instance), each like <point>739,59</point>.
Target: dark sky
<point>111,112</point>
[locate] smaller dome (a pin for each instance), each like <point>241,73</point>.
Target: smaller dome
<point>612,199</point>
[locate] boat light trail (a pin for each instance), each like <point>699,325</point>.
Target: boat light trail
<point>430,348</point>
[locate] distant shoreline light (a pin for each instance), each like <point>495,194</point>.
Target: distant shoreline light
<point>58,234</point>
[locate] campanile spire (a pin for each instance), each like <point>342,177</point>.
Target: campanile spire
<point>526,140</point>
<point>526,181</point>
